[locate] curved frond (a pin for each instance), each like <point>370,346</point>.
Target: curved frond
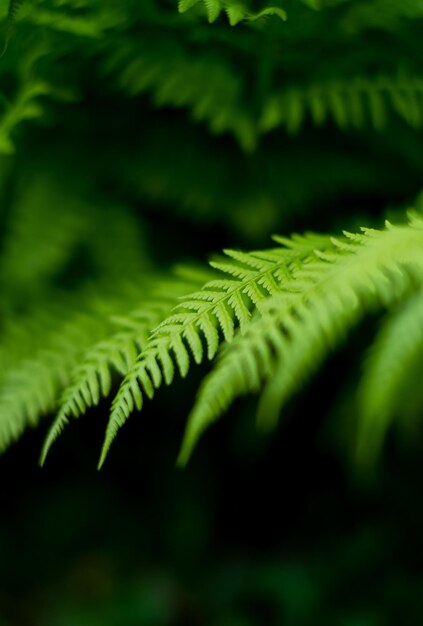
<point>203,320</point>
<point>31,387</point>
<point>84,19</point>
<point>210,89</point>
<point>40,353</point>
<point>91,379</point>
<point>394,362</point>
<point>26,104</point>
<point>121,341</point>
<point>296,329</point>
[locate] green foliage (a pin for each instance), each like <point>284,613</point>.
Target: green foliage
<point>122,339</point>
<point>13,9</point>
<point>25,103</point>
<point>349,105</point>
<point>390,385</point>
<point>209,315</point>
<point>135,134</point>
<point>322,300</point>
<point>235,11</point>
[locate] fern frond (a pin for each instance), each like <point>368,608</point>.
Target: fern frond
<point>30,389</point>
<point>90,20</point>
<point>210,88</point>
<point>349,104</point>
<point>27,101</point>
<point>92,377</point>
<point>393,365</point>
<point>236,11</point>
<point>205,317</point>
<point>25,106</point>
<point>39,355</point>
<point>121,342</point>
<point>295,331</point>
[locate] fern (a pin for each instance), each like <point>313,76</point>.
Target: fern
<point>209,316</point>
<point>390,377</point>
<point>27,103</point>
<point>210,89</point>
<point>40,355</point>
<point>91,20</point>
<point>323,300</point>
<point>214,94</point>
<point>116,351</point>
<point>349,104</point>
<point>235,11</point>
<point>24,106</point>
<point>177,72</point>
<point>131,64</point>
<point>30,388</point>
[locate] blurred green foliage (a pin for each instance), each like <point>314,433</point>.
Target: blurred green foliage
<point>137,139</point>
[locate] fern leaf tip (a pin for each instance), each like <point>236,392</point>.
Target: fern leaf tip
<point>102,459</point>
<point>183,457</point>
<point>108,440</point>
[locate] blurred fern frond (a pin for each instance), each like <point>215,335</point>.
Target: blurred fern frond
<point>25,104</point>
<point>235,11</point>
<point>350,104</point>
<point>390,379</point>
<point>29,388</point>
<point>210,89</point>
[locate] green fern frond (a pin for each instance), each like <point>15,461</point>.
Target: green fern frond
<point>27,101</point>
<point>92,377</point>
<point>121,342</point>
<point>236,11</point>
<point>210,89</point>
<point>39,355</point>
<point>203,319</point>
<point>389,375</point>
<point>349,104</point>
<point>322,301</point>
<point>90,20</point>
<point>25,106</point>
<point>30,389</point>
